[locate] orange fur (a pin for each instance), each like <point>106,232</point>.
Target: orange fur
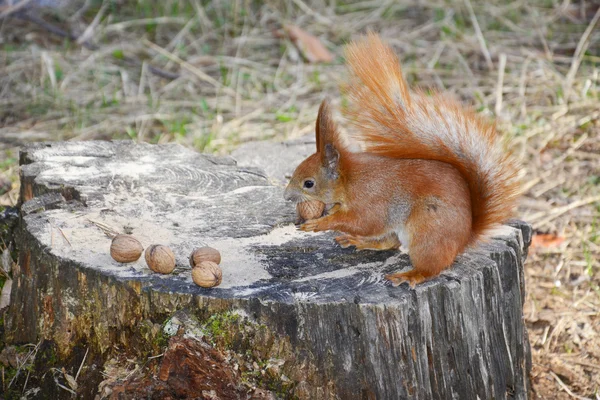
<point>384,128</point>
<point>432,177</point>
<point>386,242</point>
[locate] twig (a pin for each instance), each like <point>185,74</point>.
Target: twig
<point>52,28</point>
<point>89,31</point>
<point>566,388</point>
<point>142,81</point>
<point>241,42</point>
<point>64,387</point>
<point>179,36</point>
<point>500,85</point>
<point>311,12</point>
<point>523,86</point>
<point>578,143</point>
<point>205,22</point>
<point>587,364</point>
<point>63,235</point>
<point>548,186</point>
<point>26,380</point>
<point>108,231</point>
<point>77,14</point>
<point>47,61</point>
<point>582,46</point>
<point>561,210</point>
<point>236,123</point>
<point>436,55</point>
<point>418,32</point>
<point>14,9</point>
<point>81,365</point>
<point>119,26</point>
<point>479,34</point>
<point>136,369</point>
<point>23,363</point>
<point>90,46</point>
<point>154,70</point>
<point>184,64</point>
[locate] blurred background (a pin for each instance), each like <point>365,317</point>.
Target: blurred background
<point>212,75</point>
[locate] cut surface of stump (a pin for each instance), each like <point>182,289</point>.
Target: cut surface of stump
<point>341,330</point>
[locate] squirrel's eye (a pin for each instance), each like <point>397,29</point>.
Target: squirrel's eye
<point>309,183</point>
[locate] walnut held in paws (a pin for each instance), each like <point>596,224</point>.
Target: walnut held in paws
<point>160,259</point>
<point>204,254</point>
<point>310,209</point>
<point>207,274</point>
<point>125,248</point>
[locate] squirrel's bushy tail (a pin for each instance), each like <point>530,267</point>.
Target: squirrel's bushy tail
<point>396,123</point>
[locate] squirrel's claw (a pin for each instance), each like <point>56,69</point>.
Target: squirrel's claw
<point>319,224</point>
<point>346,241</point>
<point>312,225</point>
<point>412,277</point>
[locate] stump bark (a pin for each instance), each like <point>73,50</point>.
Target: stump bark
<point>338,328</point>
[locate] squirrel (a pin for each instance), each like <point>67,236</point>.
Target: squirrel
<point>420,171</point>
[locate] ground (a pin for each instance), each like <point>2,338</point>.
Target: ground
<point>214,74</point>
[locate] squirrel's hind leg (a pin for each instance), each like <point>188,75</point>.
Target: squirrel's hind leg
<point>427,260</point>
<point>437,233</point>
<point>387,242</point>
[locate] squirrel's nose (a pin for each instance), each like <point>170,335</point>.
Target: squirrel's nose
<point>289,194</point>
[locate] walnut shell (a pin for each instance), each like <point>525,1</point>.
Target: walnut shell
<point>160,259</point>
<point>207,274</point>
<point>125,248</point>
<point>310,209</point>
<point>204,254</point>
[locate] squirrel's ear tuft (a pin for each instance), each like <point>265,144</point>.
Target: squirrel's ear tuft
<point>325,129</point>
<point>331,160</point>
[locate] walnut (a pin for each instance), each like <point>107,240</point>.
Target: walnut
<point>204,254</point>
<point>310,209</point>
<point>160,259</point>
<point>125,249</point>
<point>207,274</point>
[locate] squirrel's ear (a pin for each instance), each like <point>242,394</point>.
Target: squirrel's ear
<point>331,160</point>
<point>325,128</point>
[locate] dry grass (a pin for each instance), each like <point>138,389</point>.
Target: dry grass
<point>534,66</point>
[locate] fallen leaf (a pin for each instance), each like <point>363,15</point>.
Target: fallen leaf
<point>5,263</point>
<point>5,296</point>
<point>9,357</point>
<point>71,381</point>
<point>546,240</point>
<point>310,46</point>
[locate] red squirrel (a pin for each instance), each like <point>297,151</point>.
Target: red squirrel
<point>427,173</point>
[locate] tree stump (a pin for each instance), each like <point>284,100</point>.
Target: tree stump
<point>337,327</point>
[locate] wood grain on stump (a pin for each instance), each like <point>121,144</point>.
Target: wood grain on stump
<point>339,328</point>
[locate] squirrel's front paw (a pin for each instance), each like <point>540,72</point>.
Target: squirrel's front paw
<point>310,226</point>
<point>314,225</point>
